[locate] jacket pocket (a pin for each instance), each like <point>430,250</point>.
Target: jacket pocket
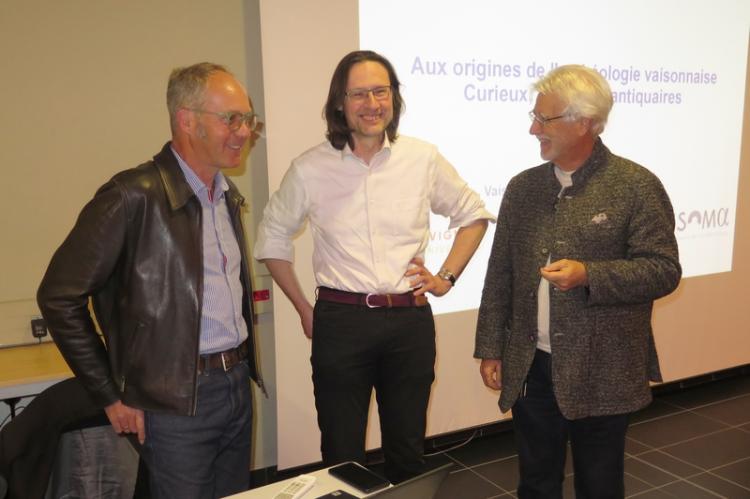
<point>135,339</point>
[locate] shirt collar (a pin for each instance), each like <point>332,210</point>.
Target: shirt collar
<point>347,151</point>
<point>196,184</point>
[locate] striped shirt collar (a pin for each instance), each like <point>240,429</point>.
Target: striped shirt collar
<point>196,184</point>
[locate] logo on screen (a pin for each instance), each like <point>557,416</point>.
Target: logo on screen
<point>712,219</point>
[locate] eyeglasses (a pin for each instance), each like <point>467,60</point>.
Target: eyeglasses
<point>361,94</point>
<point>542,120</point>
<point>234,120</point>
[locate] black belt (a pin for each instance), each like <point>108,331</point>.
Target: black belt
<point>371,300</point>
<point>222,360</point>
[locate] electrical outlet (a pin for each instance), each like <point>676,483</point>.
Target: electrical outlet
<point>38,327</point>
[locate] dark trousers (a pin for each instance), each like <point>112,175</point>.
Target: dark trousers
<point>542,432</point>
<point>356,349</point>
<point>205,456</point>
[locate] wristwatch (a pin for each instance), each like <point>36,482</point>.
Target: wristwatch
<point>447,275</point>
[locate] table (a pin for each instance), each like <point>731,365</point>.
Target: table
<point>28,370</point>
<point>324,484</point>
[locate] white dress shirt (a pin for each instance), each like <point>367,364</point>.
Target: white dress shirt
<point>367,221</point>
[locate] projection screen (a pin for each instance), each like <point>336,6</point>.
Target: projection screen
<point>678,70</point>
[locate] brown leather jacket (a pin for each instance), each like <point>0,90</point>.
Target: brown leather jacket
<point>136,251</point>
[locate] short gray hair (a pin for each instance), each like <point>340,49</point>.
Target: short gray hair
<point>187,85</point>
<point>584,91</point>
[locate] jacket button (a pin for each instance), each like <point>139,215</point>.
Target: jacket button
<point>532,337</point>
<point>545,251</point>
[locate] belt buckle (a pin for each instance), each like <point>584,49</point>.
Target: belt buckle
<point>389,301</point>
<point>223,362</point>
<point>367,300</point>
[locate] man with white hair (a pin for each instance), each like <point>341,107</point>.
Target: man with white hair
<point>584,245</point>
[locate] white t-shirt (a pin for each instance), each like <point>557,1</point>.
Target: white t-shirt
<point>542,342</point>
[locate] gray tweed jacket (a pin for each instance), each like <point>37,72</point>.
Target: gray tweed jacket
<point>617,219</point>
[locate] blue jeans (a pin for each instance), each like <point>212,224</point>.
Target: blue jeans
<point>542,433</point>
<point>207,455</point>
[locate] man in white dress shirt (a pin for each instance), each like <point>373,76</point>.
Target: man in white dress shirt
<point>367,194</point>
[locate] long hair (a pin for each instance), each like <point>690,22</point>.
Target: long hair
<point>338,132</point>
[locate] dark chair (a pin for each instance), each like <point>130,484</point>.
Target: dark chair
<point>51,436</point>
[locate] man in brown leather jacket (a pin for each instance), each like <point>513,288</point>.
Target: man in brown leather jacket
<point>161,252</point>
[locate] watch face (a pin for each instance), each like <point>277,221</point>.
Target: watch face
<point>447,275</point>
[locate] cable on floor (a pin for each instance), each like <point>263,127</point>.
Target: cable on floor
<point>457,446</point>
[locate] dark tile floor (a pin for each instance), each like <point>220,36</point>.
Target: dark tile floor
<point>690,443</point>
